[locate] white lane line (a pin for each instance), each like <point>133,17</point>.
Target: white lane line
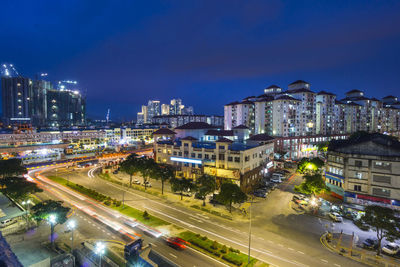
<point>109,234</point>
<point>173,255</point>
<point>153,245</point>
<point>104,231</point>
<point>281,245</point>
<point>260,238</point>
<point>301,252</point>
<point>324,260</point>
<point>225,238</point>
<point>290,249</point>
<point>338,265</point>
<point>205,255</point>
<point>269,241</point>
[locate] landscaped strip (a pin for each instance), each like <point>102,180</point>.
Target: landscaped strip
<point>230,256</point>
<point>221,252</point>
<point>112,203</point>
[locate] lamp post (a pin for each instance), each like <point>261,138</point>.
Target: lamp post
<point>100,249</point>
<point>27,203</point>
<point>52,219</point>
<point>251,203</point>
<point>72,226</point>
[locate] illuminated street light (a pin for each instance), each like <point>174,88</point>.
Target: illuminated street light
<point>27,203</point>
<point>72,225</point>
<point>100,249</point>
<point>52,219</point>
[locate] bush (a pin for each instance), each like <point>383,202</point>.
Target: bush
<point>215,245</point>
<point>146,215</point>
<point>204,238</point>
<point>224,249</point>
<point>233,258</point>
<point>108,203</point>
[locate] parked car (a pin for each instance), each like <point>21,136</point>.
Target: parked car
<point>391,249</point>
<point>276,180</point>
<point>7,222</point>
<point>260,194</point>
<point>298,197</point>
<point>336,217</point>
<point>147,183</point>
<point>197,196</point>
<point>177,243</point>
<point>213,200</point>
<point>136,181</point>
<point>115,172</point>
<point>370,243</point>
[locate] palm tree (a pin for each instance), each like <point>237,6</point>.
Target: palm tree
<point>181,185</point>
<point>146,167</point>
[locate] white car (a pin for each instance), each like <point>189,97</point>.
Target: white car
<point>136,181</point>
<point>148,184</point>
<point>336,217</point>
<point>391,248</point>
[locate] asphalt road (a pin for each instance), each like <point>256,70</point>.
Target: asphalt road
<point>95,221</point>
<point>278,237</point>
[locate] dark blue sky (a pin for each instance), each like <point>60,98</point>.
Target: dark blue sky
<point>208,53</point>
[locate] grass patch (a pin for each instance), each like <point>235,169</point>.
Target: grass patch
<point>219,251</point>
<point>112,203</point>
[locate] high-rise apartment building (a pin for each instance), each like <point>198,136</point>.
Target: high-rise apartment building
<point>299,111</point>
<point>165,109</point>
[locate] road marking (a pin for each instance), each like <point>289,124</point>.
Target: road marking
<point>109,234</point>
<point>338,265</point>
<point>301,252</point>
<point>270,241</point>
<point>280,245</point>
<point>324,260</point>
<point>290,249</point>
<point>173,255</point>
<point>104,231</point>
<point>260,238</point>
<point>153,245</point>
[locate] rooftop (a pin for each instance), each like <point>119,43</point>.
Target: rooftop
<point>324,93</point>
<point>219,133</point>
<point>195,126</point>
<point>241,126</point>
<point>164,131</point>
<point>298,81</point>
<point>286,97</point>
<point>261,137</point>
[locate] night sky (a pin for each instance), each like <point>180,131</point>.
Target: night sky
<point>208,53</point>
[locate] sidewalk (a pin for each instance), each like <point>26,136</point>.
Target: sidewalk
<point>343,244</point>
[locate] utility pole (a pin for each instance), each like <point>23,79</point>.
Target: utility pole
<point>123,197</point>
<point>251,203</point>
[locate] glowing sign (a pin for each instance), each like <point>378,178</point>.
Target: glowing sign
<point>195,161</point>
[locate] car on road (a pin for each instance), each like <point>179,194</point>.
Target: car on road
<point>136,181</point>
<point>336,217</point>
<point>391,249</point>
<point>370,243</point>
<point>177,243</point>
<point>260,194</point>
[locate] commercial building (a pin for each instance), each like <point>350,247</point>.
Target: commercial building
<point>173,121</point>
<point>189,150</point>
<point>365,170</point>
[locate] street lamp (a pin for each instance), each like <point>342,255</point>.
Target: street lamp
<point>52,219</point>
<point>100,249</point>
<point>27,203</point>
<point>72,225</point>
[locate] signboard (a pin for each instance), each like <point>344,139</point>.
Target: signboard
<point>224,173</point>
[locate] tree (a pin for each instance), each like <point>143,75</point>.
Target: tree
<point>182,185</point>
<point>314,184</point>
<point>47,209</point>
<point>231,193</point>
<point>163,172</point>
<point>383,221</point>
<point>11,167</point>
<point>18,188</point>
<point>308,166</point>
<point>146,167</point>
<point>130,166</point>
<point>206,184</point>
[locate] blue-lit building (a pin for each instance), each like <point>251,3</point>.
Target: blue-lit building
<point>365,169</point>
<point>198,148</point>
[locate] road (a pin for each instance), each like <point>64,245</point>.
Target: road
<point>281,240</point>
<point>99,222</point>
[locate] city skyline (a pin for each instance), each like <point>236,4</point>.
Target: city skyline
<point>216,50</point>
